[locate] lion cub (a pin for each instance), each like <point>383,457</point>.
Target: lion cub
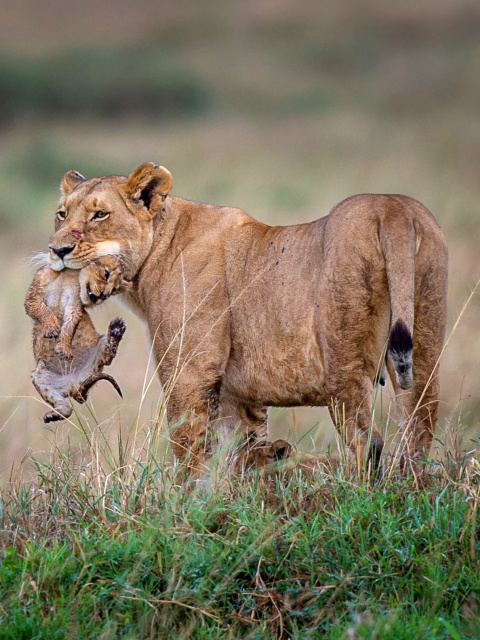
<point>69,353</point>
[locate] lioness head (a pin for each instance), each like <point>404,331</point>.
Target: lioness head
<point>101,279</point>
<point>112,215</point>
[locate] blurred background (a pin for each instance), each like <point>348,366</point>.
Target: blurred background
<point>280,108</point>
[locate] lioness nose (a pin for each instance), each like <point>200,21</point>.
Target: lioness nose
<point>62,251</point>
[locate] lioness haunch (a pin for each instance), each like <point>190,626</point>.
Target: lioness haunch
<point>243,316</point>
<point>70,355</point>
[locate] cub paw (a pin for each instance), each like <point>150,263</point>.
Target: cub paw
<point>117,328</point>
<point>51,330</point>
<point>63,352</point>
<point>54,416</point>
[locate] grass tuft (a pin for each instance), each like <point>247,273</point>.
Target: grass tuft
<point>113,543</point>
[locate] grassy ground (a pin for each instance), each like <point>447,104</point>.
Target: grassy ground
<point>122,549</point>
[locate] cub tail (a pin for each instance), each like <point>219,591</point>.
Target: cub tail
<point>81,394</point>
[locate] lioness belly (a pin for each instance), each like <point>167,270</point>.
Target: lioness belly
<point>276,364</point>
<point>275,357</point>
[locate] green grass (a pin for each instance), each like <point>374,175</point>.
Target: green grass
<point>133,553</point>
<point>142,80</point>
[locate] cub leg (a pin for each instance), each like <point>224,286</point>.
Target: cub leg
<point>108,345</point>
<point>36,307</point>
<point>71,317</point>
<point>248,426</point>
<point>106,350</point>
<point>48,385</point>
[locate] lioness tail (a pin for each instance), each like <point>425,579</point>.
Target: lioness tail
<point>400,348</point>
<point>397,236</point>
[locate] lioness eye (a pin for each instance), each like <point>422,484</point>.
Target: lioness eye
<point>107,274</point>
<point>61,215</point>
<point>100,215</point>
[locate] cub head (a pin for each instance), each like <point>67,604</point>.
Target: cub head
<point>112,216</point>
<point>101,279</point>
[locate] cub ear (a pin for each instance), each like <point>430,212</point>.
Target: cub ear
<point>150,184</point>
<point>71,180</point>
<point>127,284</point>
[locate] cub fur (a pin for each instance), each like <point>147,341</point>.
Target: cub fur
<point>69,354</point>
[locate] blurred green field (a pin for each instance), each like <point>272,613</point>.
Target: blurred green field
<point>281,109</point>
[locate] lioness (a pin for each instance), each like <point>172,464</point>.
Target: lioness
<point>69,354</point>
<point>244,316</point>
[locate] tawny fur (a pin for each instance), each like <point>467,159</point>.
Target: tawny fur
<point>69,353</point>
<point>244,316</point>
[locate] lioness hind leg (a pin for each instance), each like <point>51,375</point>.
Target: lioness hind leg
<point>351,412</point>
<point>417,407</point>
<point>48,384</point>
<point>416,424</point>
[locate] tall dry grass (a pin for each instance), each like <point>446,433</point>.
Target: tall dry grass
<point>303,108</point>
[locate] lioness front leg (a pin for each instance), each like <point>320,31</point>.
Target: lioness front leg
<point>192,411</point>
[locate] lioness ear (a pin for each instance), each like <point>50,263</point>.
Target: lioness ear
<point>71,180</point>
<point>150,184</point>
